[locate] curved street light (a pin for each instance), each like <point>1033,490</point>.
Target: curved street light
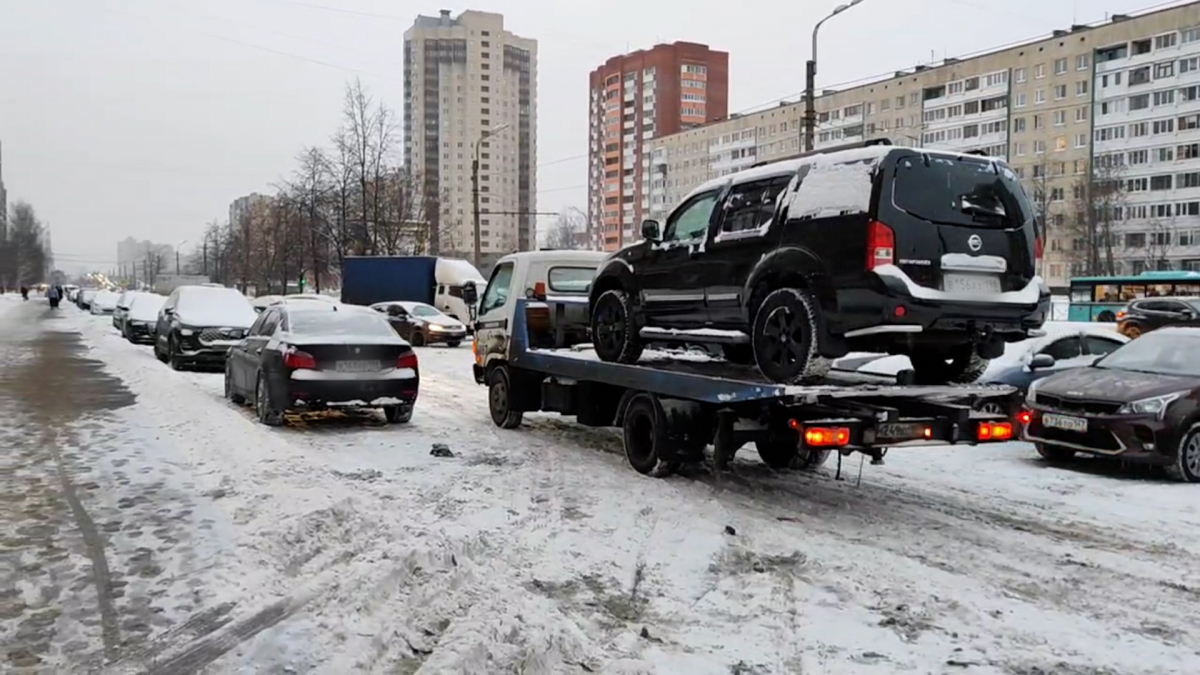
<point>810,105</point>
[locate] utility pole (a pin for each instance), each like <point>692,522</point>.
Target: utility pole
<point>478,256</point>
<point>810,84</point>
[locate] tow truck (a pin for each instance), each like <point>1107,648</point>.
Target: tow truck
<point>531,352</point>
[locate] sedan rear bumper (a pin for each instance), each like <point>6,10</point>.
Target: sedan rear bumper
<point>364,392</point>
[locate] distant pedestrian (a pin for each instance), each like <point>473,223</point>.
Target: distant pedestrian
<point>54,295</point>
<point>25,293</point>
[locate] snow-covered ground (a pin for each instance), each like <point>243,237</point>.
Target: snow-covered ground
<point>348,547</point>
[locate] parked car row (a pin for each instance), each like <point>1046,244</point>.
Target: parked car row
<point>281,354</point>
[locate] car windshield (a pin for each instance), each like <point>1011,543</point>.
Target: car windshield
<point>345,323</point>
<point>422,310</point>
<point>145,307</point>
<point>571,279</point>
<point>207,306</point>
<point>960,190</point>
<point>1162,353</point>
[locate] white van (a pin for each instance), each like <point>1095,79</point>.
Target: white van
<point>451,274</point>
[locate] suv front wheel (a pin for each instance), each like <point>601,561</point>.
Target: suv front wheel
<point>784,337</point>
<point>614,328</point>
<point>961,365</point>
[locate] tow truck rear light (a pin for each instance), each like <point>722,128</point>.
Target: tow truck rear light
<point>299,360</point>
<point>407,360</point>
<point>1023,417</point>
<point>1120,314</point>
<point>826,437</point>
<point>994,431</point>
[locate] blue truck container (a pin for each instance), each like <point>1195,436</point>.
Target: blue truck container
<point>367,280</point>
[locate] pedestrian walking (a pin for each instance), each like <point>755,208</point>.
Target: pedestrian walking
<point>25,293</point>
<point>54,294</point>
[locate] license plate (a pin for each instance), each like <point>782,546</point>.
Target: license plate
<point>900,432</point>
<point>1064,422</point>
<point>358,366</point>
<point>975,284</point>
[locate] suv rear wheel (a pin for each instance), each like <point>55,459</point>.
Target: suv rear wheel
<point>614,328</point>
<point>961,365</point>
<point>784,337</point>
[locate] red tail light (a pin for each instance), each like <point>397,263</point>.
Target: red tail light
<point>1120,314</point>
<point>407,360</point>
<point>881,245</point>
<point>1037,248</point>
<point>298,360</point>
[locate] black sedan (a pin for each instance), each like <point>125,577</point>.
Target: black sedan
<point>1140,403</point>
<point>318,355</point>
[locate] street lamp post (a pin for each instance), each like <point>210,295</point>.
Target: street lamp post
<point>475,186</point>
<point>177,254</point>
<point>810,84</point>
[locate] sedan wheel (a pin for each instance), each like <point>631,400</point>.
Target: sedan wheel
<point>1186,467</point>
<point>268,414</point>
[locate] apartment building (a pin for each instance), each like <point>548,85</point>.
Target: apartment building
<point>470,92</point>
<point>634,98</point>
<point>1147,145</point>
<point>1033,103</point>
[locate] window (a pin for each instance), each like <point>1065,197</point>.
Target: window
<point>1135,240</point>
<point>752,205</point>
<point>1096,344</point>
<point>1021,100</point>
<point>1060,66</point>
<point>1162,70</point>
<point>1039,96</point>
<point>1161,182</point>
<point>1060,118</point>
<point>1066,348</point>
<point>1164,126</point>
<point>1139,76</point>
<point>1081,140</point>
<point>1081,88</point>
<point>1081,114</point>
<point>1165,41</point>
<point>1140,47</point>
<point>1039,71</point>
<point>1020,73</point>
<point>1164,97</point>
<point>496,295</point>
<point>1139,102</point>
<point>1018,124</point>
<point>1081,62</point>
<point>691,220</point>
<point>1060,92</point>
<point>570,279</point>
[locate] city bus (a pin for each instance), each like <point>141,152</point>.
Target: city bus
<point>1101,298</point>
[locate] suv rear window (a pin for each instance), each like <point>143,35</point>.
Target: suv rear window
<point>960,191</point>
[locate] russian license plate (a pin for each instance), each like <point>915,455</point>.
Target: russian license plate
<point>358,366</point>
<point>974,284</point>
<point>1077,424</point>
<point>899,432</point>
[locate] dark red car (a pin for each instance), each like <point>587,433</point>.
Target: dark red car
<point>1140,403</point>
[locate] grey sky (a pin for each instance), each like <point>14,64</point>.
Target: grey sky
<point>147,117</point>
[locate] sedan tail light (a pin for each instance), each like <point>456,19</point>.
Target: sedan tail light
<point>298,360</point>
<point>407,360</point>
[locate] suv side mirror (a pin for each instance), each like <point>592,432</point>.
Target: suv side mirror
<point>1041,361</point>
<point>651,230</point>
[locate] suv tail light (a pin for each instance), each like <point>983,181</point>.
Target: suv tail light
<point>881,245</point>
<point>1037,248</point>
<point>299,360</point>
<point>407,360</point>
<point>1120,314</point>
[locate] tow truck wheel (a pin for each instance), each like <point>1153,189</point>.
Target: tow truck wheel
<point>500,400</point>
<point>646,439</point>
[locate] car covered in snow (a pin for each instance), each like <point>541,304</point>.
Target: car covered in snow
<point>873,247</point>
<point>103,302</point>
<point>198,324</point>
<point>124,299</point>
<point>264,301</point>
<point>316,355</point>
<point>140,318</point>
<point>422,324</point>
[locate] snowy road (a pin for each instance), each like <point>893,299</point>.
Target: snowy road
<point>151,526</point>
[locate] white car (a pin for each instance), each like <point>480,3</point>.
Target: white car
<point>104,302</point>
<point>422,324</point>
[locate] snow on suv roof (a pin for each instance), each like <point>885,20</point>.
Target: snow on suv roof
<point>787,166</point>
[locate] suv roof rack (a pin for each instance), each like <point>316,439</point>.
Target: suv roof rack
<point>836,148</point>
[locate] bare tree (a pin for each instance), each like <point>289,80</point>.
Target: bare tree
<point>23,253</point>
<point>1159,244</point>
<point>569,230</point>
<point>1099,196</point>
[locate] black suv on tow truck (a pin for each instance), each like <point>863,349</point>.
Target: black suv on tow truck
<point>874,248</point>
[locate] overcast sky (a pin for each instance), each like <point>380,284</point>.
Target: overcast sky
<point>145,118</point>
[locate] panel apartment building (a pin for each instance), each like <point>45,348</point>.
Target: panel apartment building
<point>464,77</point>
<point>1039,104</point>
<point>634,98</point>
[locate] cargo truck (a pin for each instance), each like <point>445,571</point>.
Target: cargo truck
<point>435,281</point>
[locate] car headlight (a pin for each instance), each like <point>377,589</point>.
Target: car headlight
<point>1150,406</point>
<point>186,331</point>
